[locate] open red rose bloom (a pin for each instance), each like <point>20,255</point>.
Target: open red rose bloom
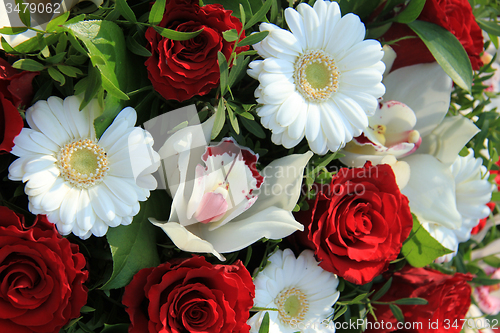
<point>41,277</point>
<point>190,295</point>
<point>358,223</point>
<point>180,70</point>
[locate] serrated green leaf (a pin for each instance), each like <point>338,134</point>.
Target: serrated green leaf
<point>12,30</point>
<point>411,301</point>
<point>56,75</point>
<point>133,247</point>
<point>69,70</point>
<point>420,249</point>
<point>57,21</point>
<point>253,127</point>
<point>156,13</point>
<point>447,51</point>
<point>264,326</point>
<point>177,35</point>
<point>230,35</point>
<point>260,15</point>
<point>411,12</point>
<point>137,48</point>
<point>124,9</point>
<point>223,68</point>
<point>28,65</point>
<point>398,314</point>
<point>220,118</point>
<point>253,38</point>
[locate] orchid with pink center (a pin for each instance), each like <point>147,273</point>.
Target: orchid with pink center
<point>226,204</point>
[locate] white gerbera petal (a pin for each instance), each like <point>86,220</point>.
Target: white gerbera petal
<point>302,292</point>
<point>67,170</point>
<point>323,60</point>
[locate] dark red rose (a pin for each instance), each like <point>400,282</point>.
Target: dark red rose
<point>15,92</point>
<point>182,69</point>
<point>41,277</point>
<point>190,295</point>
<point>453,15</point>
<point>358,222</point>
<point>448,300</point>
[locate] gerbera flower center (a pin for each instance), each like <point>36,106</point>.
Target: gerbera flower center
<point>292,305</point>
<point>82,163</point>
<point>316,75</point>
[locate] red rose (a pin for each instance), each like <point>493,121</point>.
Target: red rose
<point>190,295</point>
<point>41,277</point>
<point>448,300</point>
<point>482,222</point>
<point>453,15</point>
<point>15,91</point>
<point>182,69</point>
<point>358,223</point>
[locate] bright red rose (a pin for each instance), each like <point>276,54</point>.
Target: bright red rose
<point>182,69</point>
<point>358,222</point>
<point>41,277</point>
<point>448,300</point>
<point>453,15</point>
<point>190,295</point>
<point>15,91</point>
<point>482,222</point>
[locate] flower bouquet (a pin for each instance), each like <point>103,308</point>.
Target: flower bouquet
<point>254,166</point>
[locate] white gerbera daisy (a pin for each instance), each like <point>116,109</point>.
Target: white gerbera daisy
<point>321,80</point>
<point>82,184</point>
<point>302,292</point>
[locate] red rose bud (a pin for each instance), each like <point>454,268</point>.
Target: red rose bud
<point>448,300</point>
<point>453,15</point>
<point>190,295</point>
<point>358,223</point>
<point>180,70</point>
<point>41,276</point>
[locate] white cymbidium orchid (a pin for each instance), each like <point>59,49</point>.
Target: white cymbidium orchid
<point>226,204</point>
<point>43,13</point>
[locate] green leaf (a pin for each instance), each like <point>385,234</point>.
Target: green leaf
<point>28,65</point>
<point>76,44</point>
<point>223,68</point>
<point>7,48</point>
<point>86,309</point>
<point>490,27</point>
<point>260,15</point>
<point>220,117</point>
<point>57,21</point>
<point>56,75</point>
<point>56,58</point>
<point>411,12</point>
<point>126,11</point>
<point>117,328</point>
<point>381,292</point>
<point>420,249</point>
<point>12,30</point>
<point>485,281</point>
<point>237,71</point>
<point>232,118</point>
<point>24,12</point>
<point>137,48</point>
<point>133,247</point>
<point>447,51</point>
<point>177,35</point>
<point>398,314</point>
<point>94,84</point>
<point>230,35</point>
<point>69,70</point>
<point>253,127</point>
<point>253,38</point>
<point>411,301</point>
<point>156,13</point>
<point>492,260</point>
<point>264,326</point>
